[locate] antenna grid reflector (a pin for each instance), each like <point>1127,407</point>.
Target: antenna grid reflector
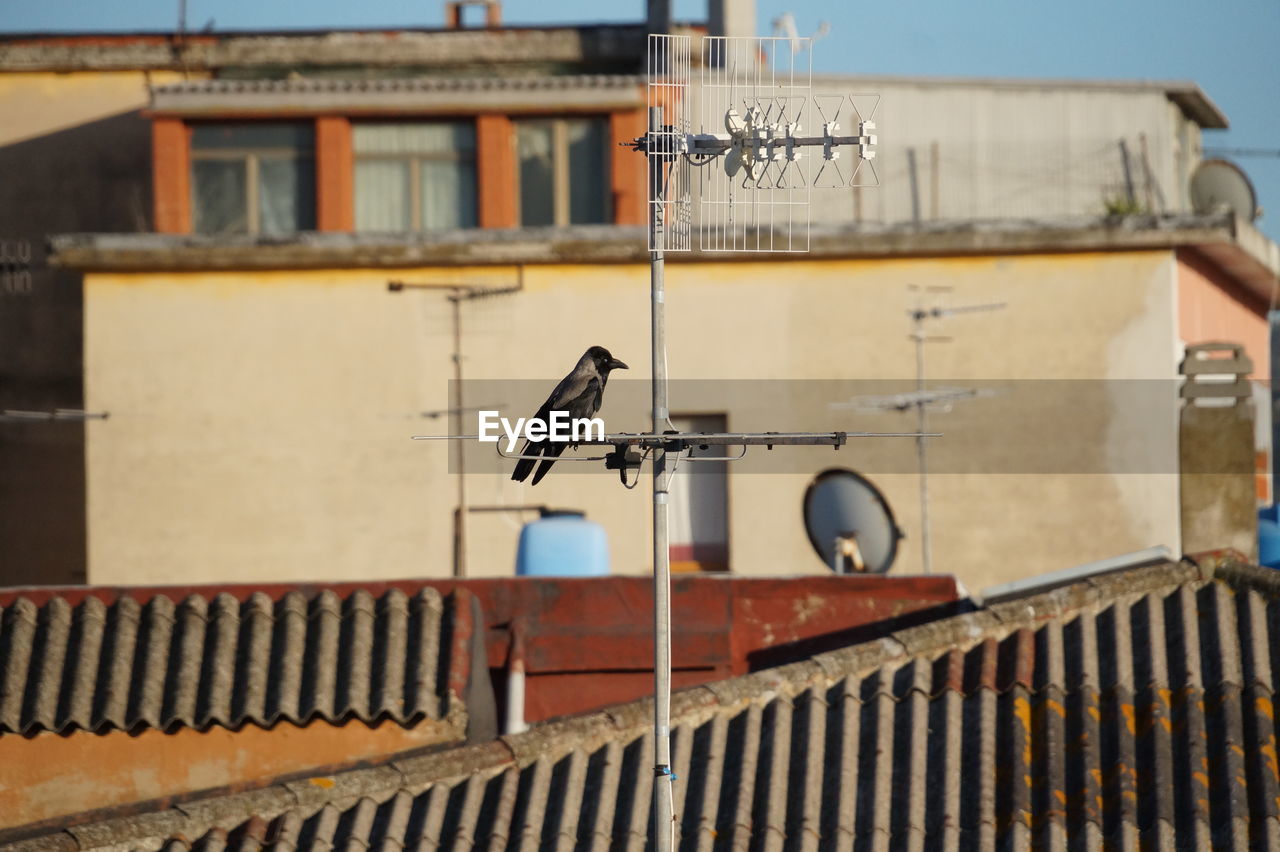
<point>669,63</point>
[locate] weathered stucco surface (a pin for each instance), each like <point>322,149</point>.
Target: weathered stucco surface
<point>260,420</point>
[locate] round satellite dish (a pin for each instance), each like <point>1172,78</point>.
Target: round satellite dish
<point>850,524</point>
<point>1220,183</point>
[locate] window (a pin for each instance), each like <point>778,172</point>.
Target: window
<point>415,176</point>
<point>698,511</point>
<point>253,178</point>
<point>564,176</point>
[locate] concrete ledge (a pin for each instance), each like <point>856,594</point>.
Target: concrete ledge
<point>622,244</point>
<point>1236,245</point>
<point>314,250</point>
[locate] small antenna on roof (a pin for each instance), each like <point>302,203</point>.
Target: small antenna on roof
<point>784,26</point>
<point>924,399</point>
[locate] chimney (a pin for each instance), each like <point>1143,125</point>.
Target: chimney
<point>453,13</point>
<point>1217,485</point>
<point>658,18</point>
<point>731,17</point>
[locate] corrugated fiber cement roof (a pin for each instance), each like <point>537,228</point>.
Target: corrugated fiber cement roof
<point>1133,709</point>
<point>74,661</point>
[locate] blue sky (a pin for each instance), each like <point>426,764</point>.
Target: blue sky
<point>1228,47</point>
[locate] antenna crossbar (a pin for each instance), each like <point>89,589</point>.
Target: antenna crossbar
<point>10,415</point>
<point>676,440</point>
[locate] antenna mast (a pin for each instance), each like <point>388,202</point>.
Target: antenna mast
<point>756,102</point>
<point>755,106</point>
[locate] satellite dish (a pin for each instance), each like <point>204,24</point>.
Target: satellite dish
<point>850,524</point>
<point>1219,183</point>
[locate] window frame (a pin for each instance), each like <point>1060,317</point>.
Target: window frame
<point>561,191</point>
<point>252,158</point>
<point>415,161</point>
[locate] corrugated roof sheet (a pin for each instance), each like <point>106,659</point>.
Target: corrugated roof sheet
<point>401,96</point>
<point>307,85</point>
<point>214,660</point>
<point>1129,710</point>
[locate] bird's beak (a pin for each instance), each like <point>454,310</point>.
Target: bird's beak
<point>615,364</point>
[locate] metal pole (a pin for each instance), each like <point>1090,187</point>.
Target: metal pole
<point>922,417</point>
<point>1128,174</point>
<point>662,792</point>
<point>460,514</point>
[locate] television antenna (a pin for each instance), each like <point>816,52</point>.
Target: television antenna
<point>57,415</point>
<point>762,144</point>
<point>924,399</point>
<point>784,26</point>
<point>457,293</point>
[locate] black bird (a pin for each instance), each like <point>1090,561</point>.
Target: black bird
<point>578,395</point>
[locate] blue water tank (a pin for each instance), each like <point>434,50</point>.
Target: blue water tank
<point>562,544</point>
<point>1269,536</point>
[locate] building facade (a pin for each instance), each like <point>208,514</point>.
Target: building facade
<point>283,180</point>
<point>262,395</point>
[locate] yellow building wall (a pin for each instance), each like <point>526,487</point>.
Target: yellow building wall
<point>39,102</point>
<point>50,775</point>
<point>260,422</point>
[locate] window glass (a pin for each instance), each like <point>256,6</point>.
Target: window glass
<point>534,140</point>
<point>292,137</point>
<point>219,197</point>
<point>415,175</point>
<point>382,195</point>
<point>286,195</point>
<point>698,510</point>
<point>448,195</point>
<point>563,171</point>
<point>585,139</point>
<point>437,137</point>
<point>252,178</point>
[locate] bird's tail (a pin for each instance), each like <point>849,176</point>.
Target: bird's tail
<point>524,466</point>
<point>542,471</point>
<point>552,453</point>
